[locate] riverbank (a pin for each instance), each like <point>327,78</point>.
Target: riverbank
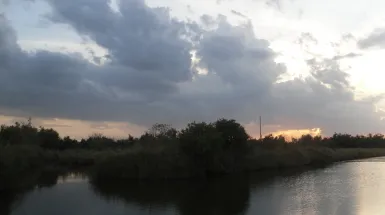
<point>147,166</point>
<point>309,156</point>
<point>23,167</point>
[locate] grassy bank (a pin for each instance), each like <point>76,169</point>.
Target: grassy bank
<point>308,156</point>
<point>149,166</point>
<point>199,150</point>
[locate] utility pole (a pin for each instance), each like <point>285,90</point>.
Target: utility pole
<point>260,127</point>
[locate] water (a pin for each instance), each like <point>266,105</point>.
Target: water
<point>347,188</point>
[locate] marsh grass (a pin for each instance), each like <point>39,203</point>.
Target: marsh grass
<point>144,165</point>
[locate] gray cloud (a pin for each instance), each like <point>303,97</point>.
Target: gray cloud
<point>150,76</point>
<point>307,38</point>
<point>271,3</point>
<point>348,37</point>
<point>349,55</point>
<point>375,39</point>
<point>3,3</point>
<point>237,13</point>
<point>326,99</point>
<point>274,3</point>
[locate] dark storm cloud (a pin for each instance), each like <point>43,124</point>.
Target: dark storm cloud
<point>133,36</point>
<point>149,76</point>
<point>375,39</point>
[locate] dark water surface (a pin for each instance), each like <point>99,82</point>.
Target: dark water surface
<point>347,188</point>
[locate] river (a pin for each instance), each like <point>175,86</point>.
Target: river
<point>349,188</point>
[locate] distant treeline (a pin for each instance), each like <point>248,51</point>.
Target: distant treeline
<point>24,133</point>
<point>199,150</point>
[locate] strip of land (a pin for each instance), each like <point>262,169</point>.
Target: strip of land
<point>163,153</point>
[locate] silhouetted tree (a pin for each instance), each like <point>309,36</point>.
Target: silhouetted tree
<point>49,139</point>
<point>232,132</point>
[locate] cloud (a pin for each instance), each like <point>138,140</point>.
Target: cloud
<point>327,101</point>
<point>237,13</point>
<point>307,38</point>
<point>150,77</point>
<point>375,39</point>
<point>289,134</point>
<point>57,81</point>
<point>4,3</point>
<point>274,3</point>
<point>271,3</point>
<point>349,55</point>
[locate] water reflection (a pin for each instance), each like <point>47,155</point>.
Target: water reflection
<point>227,196</point>
<point>354,188</point>
<point>7,202</point>
<point>11,200</point>
<point>322,191</point>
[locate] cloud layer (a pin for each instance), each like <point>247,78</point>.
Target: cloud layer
<point>150,77</point>
<point>375,39</point>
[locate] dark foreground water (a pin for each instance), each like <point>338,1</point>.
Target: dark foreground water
<point>347,188</point>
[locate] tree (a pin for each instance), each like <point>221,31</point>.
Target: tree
<point>49,138</point>
<point>162,130</point>
<point>233,133</point>
<point>201,139</point>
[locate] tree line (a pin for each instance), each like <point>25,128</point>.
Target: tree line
<point>206,136</point>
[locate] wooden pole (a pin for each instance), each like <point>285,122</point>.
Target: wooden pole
<point>260,127</point>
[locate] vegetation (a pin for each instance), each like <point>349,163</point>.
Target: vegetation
<point>199,150</point>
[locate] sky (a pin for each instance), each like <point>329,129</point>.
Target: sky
<point>117,67</point>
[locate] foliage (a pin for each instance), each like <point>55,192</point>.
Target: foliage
<point>233,133</point>
<point>199,137</point>
<point>18,134</point>
<point>162,131</point>
<point>200,149</point>
<point>49,139</point>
